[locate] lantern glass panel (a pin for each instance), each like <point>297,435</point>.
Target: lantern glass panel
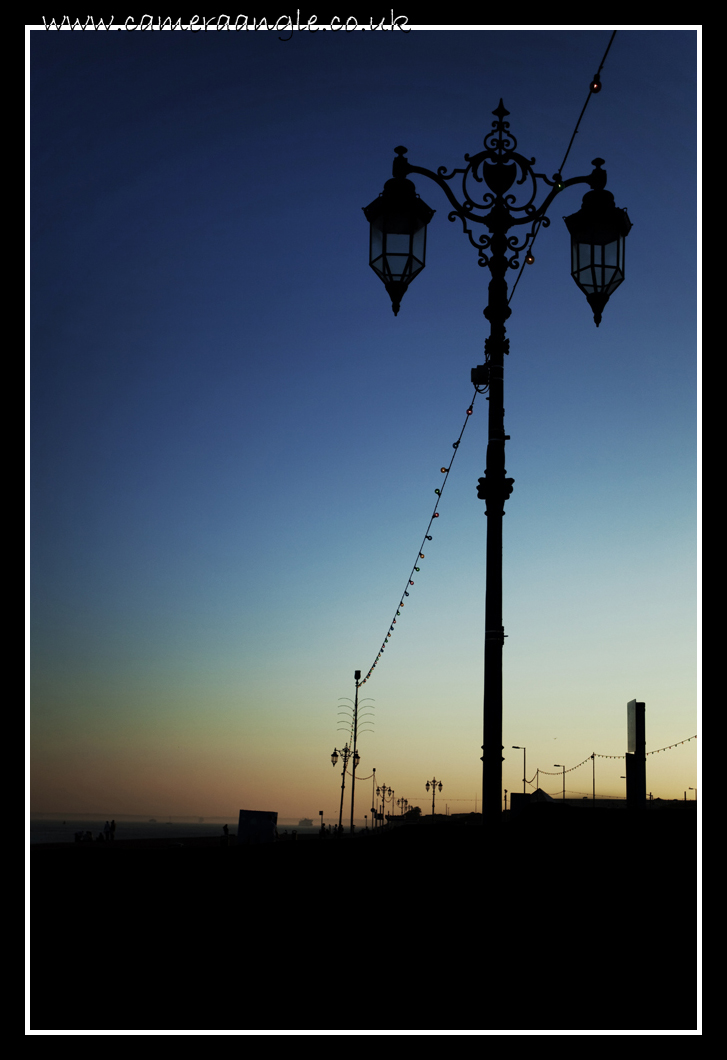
<point>418,245</point>
<point>598,267</point>
<point>377,245</point>
<point>397,243</point>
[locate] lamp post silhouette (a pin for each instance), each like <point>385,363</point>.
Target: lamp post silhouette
<point>434,784</point>
<point>385,794</point>
<point>355,731</point>
<point>373,800</point>
<point>525,772</point>
<point>563,768</point>
<point>392,800</point>
<point>397,253</point>
<point>346,753</point>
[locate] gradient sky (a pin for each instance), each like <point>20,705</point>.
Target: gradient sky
<point>234,444</point>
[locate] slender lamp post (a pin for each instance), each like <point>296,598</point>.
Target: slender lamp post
<point>355,718</point>
<point>525,771</point>
<point>373,800</point>
<point>557,766</point>
<point>398,220</point>
<point>357,678</point>
<point>434,784</point>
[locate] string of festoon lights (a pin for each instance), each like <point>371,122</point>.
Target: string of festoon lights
<point>416,566</point>
<point>660,749</point>
<point>560,772</point>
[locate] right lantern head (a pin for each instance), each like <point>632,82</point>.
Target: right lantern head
<point>598,240</point>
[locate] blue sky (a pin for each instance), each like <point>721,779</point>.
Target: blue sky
<point>235,444</point>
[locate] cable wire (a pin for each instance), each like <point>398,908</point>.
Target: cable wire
<point>427,537</point>
<point>593,89</point>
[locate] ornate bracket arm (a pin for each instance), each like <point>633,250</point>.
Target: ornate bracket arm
<point>596,180</point>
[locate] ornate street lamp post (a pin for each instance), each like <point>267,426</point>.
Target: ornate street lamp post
<point>434,785</point>
<point>345,753</point>
<point>398,219</point>
<point>386,795</point>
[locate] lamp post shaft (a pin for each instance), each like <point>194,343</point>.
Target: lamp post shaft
<point>495,493</point>
<point>355,738</point>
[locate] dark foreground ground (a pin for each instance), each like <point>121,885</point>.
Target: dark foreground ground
<point>560,922</point>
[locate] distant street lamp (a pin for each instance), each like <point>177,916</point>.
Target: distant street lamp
<point>346,753</point>
<point>563,768</point>
<point>397,244</point>
<point>373,800</point>
<point>434,785</point>
<point>385,794</point>
<point>525,771</point>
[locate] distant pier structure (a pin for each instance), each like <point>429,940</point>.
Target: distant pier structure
<point>636,755</point>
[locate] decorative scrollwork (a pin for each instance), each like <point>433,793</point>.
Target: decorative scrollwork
<point>498,167</point>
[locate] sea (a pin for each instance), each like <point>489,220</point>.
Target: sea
<point>63,830</point>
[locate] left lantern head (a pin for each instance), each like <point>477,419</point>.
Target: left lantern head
<point>398,220</point>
